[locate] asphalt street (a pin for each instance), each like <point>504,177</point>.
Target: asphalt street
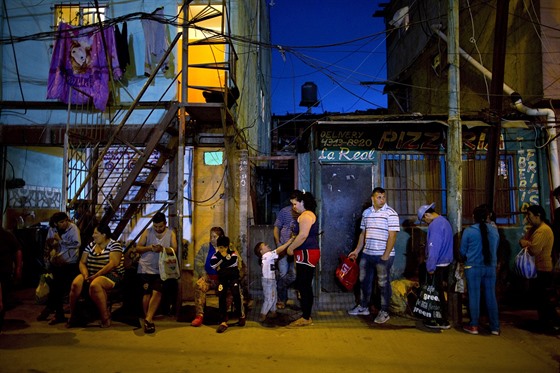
<point>336,342</point>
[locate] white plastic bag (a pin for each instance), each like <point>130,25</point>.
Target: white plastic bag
<point>525,264</point>
<point>168,265</point>
<point>42,290</point>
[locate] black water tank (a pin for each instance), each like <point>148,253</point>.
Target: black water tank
<point>309,95</point>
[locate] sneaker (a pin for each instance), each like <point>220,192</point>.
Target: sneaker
<point>444,324</point>
<point>242,321</point>
<point>197,321</point>
<point>149,327</point>
<point>359,310</point>
<point>382,317</point>
<point>434,324</point>
<point>495,332</point>
<point>262,317</point>
<point>471,329</point>
<point>301,322</point>
<point>222,328</point>
<point>44,315</point>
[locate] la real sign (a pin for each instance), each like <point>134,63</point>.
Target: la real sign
<point>347,155</point>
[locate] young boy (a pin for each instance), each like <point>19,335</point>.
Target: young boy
<point>226,262</point>
<point>267,258</point>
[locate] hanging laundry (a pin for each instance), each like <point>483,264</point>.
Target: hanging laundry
<point>157,41</point>
<point>79,61</point>
<point>121,43</point>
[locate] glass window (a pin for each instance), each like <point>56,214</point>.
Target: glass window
<point>213,158</point>
<point>78,15</point>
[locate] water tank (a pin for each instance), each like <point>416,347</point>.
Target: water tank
<point>309,95</point>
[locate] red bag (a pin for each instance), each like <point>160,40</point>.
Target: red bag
<point>347,272</point>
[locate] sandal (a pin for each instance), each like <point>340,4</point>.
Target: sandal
<point>222,328</point>
<point>149,327</point>
<point>105,323</point>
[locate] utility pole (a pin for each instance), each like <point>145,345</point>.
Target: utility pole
<point>454,138</point>
<point>496,99</point>
<point>454,148</point>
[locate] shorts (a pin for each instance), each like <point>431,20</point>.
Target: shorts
<point>115,278</point>
<point>309,257</point>
<point>151,283</point>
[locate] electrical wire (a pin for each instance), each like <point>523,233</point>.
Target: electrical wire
<point>15,55</point>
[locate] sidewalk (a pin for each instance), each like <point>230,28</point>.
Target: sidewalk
<point>335,343</point>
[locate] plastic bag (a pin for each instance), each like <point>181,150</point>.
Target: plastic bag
<point>525,264</point>
<point>401,289</point>
<point>428,304</point>
<point>42,290</point>
<point>459,275</point>
<point>347,272</point>
<point>169,265</point>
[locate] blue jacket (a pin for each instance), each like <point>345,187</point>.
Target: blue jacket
<point>471,245</point>
<point>439,248</point>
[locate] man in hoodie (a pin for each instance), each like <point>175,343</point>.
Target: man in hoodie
<point>439,256</point>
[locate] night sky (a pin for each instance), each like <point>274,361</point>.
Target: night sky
<point>334,44</point>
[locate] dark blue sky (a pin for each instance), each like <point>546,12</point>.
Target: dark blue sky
<point>355,53</point>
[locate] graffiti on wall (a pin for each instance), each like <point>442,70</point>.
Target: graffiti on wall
<point>33,196</point>
<point>527,178</point>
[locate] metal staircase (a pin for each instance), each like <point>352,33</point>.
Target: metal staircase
<point>111,170</point>
<point>163,140</point>
<point>112,167</point>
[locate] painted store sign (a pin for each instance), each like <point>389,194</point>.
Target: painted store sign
<point>359,143</point>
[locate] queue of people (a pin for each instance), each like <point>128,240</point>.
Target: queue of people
<point>100,268</point>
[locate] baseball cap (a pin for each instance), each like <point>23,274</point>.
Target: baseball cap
<point>422,210</point>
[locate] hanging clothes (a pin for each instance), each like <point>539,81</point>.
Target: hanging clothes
<point>79,61</point>
<point>121,43</point>
<point>156,42</point>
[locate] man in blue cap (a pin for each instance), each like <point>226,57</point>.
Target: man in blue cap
<point>439,256</point>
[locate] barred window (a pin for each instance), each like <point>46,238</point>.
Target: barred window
<point>412,180</point>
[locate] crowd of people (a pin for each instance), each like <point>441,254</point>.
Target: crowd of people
<point>95,269</point>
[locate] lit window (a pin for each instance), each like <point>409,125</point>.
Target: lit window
<point>78,15</point>
<point>213,158</point>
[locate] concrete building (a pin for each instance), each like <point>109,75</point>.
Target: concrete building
<point>168,124</point>
<point>406,149</point>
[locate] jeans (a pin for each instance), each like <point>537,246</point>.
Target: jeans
<point>269,293</point>
<point>370,267</point>
<point>286,277</point>
<point>482,277</point>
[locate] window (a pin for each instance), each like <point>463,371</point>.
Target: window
<point>78,15</point>
<point>213,158</point>
<point>474,188</point>
<point>412,180</point>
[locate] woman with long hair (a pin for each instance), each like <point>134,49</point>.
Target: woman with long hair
<point>306,252</point>
<point>479,248</point>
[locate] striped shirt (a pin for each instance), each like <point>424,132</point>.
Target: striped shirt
<point>95,261</point>
<point>377,225</point>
